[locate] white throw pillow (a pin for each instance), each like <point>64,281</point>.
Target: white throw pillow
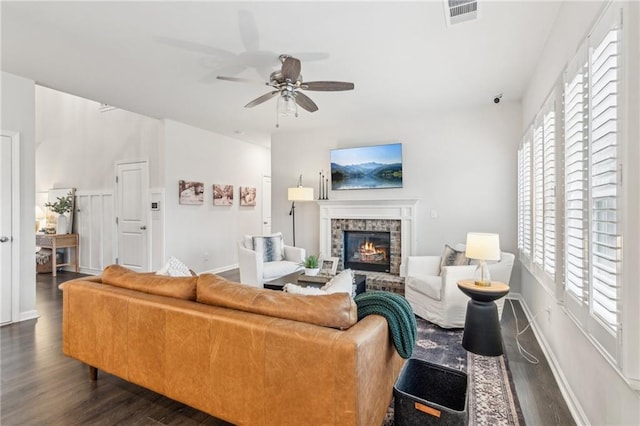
<point>309,291</point>
<point>341,283</point>
<point>271,247</point>
<point>174,268</point>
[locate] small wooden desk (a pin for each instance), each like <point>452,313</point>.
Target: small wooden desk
<point>56,241</point>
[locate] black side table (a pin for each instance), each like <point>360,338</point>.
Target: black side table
<point>482,333</point>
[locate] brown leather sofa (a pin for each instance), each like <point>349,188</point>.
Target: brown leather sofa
<point>245,355</point>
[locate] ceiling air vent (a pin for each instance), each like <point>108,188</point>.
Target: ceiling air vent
<point>457,11</point>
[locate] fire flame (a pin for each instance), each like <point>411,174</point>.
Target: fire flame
<point>368,249</point>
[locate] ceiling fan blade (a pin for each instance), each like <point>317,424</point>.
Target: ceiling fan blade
<point>327,86</point>
<point>195,47</point>
<point>305,102</point>
<point>291,69</point>
<point>211,76</point>
<point>240,80</point>
<point>261,99</point>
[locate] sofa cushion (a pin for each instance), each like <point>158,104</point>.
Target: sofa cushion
<point>271,247</point>
<point>453,257</point>
<point>341,283</point>
<point>271,270</point>
<point>174,268</point>
<point>177,287</point>
<point>429,285</point>
<point>332,310</point>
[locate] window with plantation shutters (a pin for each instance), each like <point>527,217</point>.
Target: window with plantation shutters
<point>520,199</point>
<point>526,196</point>
<point>538,195</point>
<point>573,208</point>
<point>575,181</point>
<point>549,187</point>
<point>542,201</point>
<point>592,245</point>
<point>605,237</point>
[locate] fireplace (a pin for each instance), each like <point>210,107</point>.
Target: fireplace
<point>367,250</point>
<point>397,217</point>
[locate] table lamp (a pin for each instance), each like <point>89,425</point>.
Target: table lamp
<point>299,193</point>
<point>483,247</point>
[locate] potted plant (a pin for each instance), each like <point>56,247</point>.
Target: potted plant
<point>61,207</point>
<point>311,265</point>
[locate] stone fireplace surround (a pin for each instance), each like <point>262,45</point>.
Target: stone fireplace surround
<point>395,216</point>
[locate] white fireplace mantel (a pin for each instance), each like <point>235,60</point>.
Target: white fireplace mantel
<point>403,210</point>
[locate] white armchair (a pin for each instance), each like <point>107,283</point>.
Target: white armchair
<point>434,294</point>
<point>254,271</point>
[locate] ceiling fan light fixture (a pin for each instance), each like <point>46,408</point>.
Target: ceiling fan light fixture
<point>287,106</point>
<point>288,85</point>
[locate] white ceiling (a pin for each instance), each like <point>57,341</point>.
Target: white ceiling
<point>160,59</point>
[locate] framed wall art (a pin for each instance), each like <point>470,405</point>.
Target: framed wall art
<point>190,192</point>
<point>247,196</point>
<point>222,195</point>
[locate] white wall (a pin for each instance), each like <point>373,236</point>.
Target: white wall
<point>572,25</point>
<point>77,145</point>
<point>461,164</point>
<point>18,115</point>
<point>194,154</point>
<point>597,393</point>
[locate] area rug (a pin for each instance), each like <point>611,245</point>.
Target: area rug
<point>492,397</point>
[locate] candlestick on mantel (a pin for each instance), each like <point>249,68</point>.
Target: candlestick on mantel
<point>326,189</point>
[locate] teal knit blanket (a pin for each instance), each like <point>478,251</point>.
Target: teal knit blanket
<point>399,315</point>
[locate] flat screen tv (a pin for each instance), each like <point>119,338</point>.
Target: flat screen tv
<point>367,167</point>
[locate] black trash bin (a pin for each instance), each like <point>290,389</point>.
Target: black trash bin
<point>430,394</point>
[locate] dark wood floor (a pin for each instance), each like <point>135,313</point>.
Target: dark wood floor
<point>40,386</point>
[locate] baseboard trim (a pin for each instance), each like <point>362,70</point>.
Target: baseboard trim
<point>578,414</point>
<point>87,271</point>
<point>28,315</point>
<point>221,269</point>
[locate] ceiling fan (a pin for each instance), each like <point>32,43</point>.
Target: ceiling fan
<point>288,83</point>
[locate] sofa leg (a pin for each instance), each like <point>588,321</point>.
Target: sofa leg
<point>93,373</point>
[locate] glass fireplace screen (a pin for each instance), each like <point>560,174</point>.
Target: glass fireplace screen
<point>367,250</point>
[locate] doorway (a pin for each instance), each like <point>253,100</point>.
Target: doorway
<point>9,226</point>
<point>133,215</point>
<point>266,205</point>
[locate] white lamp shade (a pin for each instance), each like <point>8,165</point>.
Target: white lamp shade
<point>300,193</point>
<point>483,246</point>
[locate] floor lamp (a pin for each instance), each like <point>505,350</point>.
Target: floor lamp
<point>299,193</point>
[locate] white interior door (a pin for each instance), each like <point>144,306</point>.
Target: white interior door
<point>266,205</point>
<point>5,231</point>
<point>132,215</point>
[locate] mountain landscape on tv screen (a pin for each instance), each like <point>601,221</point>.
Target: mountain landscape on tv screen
<point>366,176</point>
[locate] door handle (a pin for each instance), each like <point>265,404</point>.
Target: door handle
<point>4,239</point>
<point>143,227</point>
